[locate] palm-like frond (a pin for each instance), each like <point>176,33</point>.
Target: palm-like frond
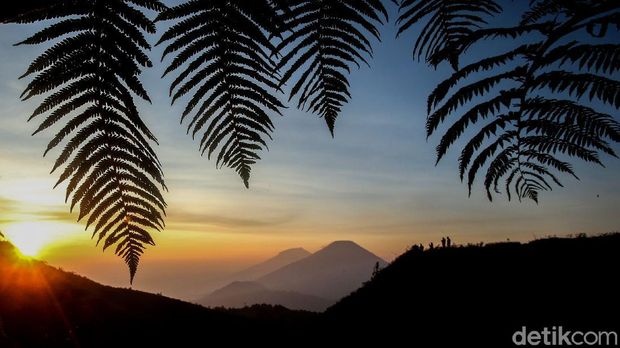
<point>326,38</point>
<point>449,22</point>
<point>223,55</point>
<point>535,113</point>
<point>89,75</point>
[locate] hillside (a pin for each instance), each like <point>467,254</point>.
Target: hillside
<point>330,273</point>
<point>476,295</point>
<point>41,306</point>
<point>244,293</point>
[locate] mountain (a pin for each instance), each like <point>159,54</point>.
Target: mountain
<point>240,294</point>
<point>330,273</point>
<point>311,283</point>
<point>484,296</point>
<point>282,259</point>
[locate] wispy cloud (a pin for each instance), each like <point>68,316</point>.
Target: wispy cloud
<point>13,211</point>
<point>205,222</point>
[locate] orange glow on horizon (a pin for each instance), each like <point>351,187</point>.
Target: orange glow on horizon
<point>32,238</point>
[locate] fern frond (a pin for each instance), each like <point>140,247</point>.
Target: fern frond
<point>326,38</point>
<point>36,10</point>
<point>485,64</point>
<point>449,23</point>
<point>90,76</point>
<point>603,58</point>
<point>577,85</point>
<point>483,110</point>
<point>529,132</point>
<point>467,93</point>
<point>570,113</point>
<point>540,9</point>
<point>223,57</point>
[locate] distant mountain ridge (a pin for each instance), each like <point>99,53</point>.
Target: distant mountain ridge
<point>310,283</point>
<point>332,272</point>
<point>283,258</point>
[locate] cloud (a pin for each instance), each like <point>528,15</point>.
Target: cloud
<point>11,211</point>
<point>6,204</point>
<point>6,208</point>
<point>203,220</point>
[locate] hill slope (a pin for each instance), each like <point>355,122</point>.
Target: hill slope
<point>479,296</point>
<point>330,273</point>
<point>41,306</point>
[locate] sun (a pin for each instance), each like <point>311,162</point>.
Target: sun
<point>30,238</point>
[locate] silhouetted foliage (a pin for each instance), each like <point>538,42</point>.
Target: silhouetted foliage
<point>533,103</point>
<point>449,22</point>
<point>89,75</point>
<point>326,38</point>
<point>375,270</point>
<point>223,54</point>
<point>14,9</point>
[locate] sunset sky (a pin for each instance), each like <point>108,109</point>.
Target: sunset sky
<point>375,183</point>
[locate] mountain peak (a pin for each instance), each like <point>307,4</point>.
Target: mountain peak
<point>332,272</point>
<point>343,244</point>
<point>346,249</point>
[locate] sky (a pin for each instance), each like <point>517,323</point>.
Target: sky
<point>375,182</point>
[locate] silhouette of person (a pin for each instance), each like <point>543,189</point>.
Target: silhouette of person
<point>449,242</point>
<point>431,246</point>
<point>443,242</point>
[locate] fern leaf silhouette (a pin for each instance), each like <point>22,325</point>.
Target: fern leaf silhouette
<point>534,103</point>
<point>89,75</point>
<point>449,22</point>
<point>326,37</point>
<point>223,55</point>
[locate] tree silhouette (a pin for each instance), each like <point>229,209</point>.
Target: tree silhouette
<point>232,59</point>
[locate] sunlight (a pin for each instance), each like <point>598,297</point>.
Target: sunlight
<point>32,237</point>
